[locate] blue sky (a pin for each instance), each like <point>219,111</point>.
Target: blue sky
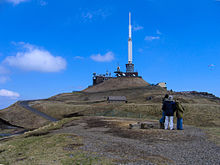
<point>49,47</point>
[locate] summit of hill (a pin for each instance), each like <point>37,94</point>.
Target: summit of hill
<point>118,83</point>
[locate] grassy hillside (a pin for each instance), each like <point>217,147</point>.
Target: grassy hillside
<point>143,102</point>
<point>44,146</point>
<point>200,110</point>
<point>18,116</point>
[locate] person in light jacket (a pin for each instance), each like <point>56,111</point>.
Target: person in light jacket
<point>179,115</point>
<point>169,107</point>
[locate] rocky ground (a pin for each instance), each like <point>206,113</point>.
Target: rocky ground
<point>112,138</point>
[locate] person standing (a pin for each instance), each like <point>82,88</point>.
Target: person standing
<point>179,115</point>
<point>169,108</point>
<point>162,120</point>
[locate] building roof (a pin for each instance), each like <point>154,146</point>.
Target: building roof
<point>117,98</point>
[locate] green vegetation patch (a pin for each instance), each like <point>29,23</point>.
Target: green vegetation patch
<point>48,149</point>
<point>52,126</point>
<point>42,147</point>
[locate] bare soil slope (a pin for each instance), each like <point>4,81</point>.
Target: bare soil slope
<point>118,83</point>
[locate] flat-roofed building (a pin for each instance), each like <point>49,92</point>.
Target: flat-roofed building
<point>117,99</point>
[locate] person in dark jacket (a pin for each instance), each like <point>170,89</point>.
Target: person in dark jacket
<point>169,108</point>
<point>162,120</point>
<point>179,115</point>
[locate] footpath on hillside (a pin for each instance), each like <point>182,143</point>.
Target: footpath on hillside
<point>25,105</point>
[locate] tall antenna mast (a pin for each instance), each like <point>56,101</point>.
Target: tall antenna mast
<point>129,42</point>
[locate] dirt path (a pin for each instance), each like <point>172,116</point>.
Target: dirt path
<point>111,138</point>
<point>25,105</point>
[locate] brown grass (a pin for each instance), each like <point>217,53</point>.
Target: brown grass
<point>59,109</point>
<point>213,134</point>
<point>17,115</point>
<point>201,115</point>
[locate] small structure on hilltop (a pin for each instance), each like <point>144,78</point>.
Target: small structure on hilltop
<point>117,99</point>
<point>162,84</point>
<point>100,78</point>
